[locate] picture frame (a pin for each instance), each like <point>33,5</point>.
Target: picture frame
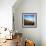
<point>29,20</point>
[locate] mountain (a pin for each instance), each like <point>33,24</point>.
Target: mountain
<point>27,22</point>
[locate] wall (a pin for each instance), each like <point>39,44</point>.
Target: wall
<point>6,15</point>
<point>43,22</point>
<point>35,34</point>
<point>29,33</point>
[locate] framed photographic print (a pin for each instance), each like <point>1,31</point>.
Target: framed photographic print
<point>29,20</point>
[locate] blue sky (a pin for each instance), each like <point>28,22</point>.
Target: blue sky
<point>29,17</point>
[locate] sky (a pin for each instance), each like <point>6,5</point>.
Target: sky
<point>29,17</point>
